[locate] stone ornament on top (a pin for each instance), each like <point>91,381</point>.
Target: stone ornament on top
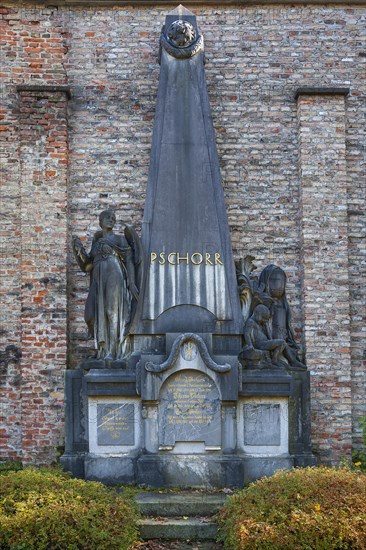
<point>269,340</point>
<point>181,40</point>
<point>115,266</point>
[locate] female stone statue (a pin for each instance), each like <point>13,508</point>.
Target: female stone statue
<point>113,264</point>
<point>273,281</point>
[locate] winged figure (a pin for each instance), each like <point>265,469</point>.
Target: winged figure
<point>115,266</point>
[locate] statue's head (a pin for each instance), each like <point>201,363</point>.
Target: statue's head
<point>277,283</point>
<point>107,219</point>
<point>261,313</point>
<point>274,279</point>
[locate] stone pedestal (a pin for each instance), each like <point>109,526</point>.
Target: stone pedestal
<point>188,418</point>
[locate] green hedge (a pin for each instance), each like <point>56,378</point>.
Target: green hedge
<point>311,509</point>
<point>45,509</point>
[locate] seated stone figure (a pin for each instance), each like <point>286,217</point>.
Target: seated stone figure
<point>260,350</point>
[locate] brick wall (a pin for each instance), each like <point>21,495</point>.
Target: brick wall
<point>324,259</point>
<point>257,57</point>
<point>34,207</point>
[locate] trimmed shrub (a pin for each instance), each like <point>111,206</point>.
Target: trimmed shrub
<point>359,457</point>
<point>311,509</point>
<point>10,466</point>
<point>44,509</point>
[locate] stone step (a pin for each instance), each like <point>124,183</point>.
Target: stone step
<point>199,529</point>
<point>180,504</point>
<point>180,545</point>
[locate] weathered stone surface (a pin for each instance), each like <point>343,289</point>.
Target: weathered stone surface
<point>262,424</point>
<point>265,467</point>
<point>189,410</point>
<point>208,471</point>
<point>110,470</point>
<point>186,529</point>
<point>185,503</point>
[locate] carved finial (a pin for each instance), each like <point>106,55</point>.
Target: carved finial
<point>180,37</point>
<point>180,11</point>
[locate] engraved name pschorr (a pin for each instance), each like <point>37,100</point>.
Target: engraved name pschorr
<point>177,258</point>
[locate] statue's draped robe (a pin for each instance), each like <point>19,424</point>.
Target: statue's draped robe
<point>108,307</point>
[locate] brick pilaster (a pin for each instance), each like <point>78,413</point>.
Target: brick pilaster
<point>323,179</point>
<point>43,238</point>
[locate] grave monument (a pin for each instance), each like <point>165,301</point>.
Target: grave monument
<point>197,379</point>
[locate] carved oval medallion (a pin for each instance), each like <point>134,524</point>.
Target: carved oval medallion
<point>189,350</point>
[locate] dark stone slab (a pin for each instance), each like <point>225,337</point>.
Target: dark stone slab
<point>184,503</point>
<point>76,423</point>
<point>105,382</point>
<point>226,344</point>
<point>275,383</point>
<point>74,463</point>
<point>189,529</point>
<point>76,434</point>
<point>92,364</point>
<point>115,424</point>
<point>300,418</point>
<point>150,344</point>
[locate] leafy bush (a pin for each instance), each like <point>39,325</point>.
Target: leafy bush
<point>10,466</point>
<point>44,509</point>
<point>359,457</point>
<point>313,508</point>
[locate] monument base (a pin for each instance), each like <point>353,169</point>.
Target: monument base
<point>194,422</point>
<point>111,470</point>
<point>201,471</point>
<point>74,463</point>
<point>255,467</point>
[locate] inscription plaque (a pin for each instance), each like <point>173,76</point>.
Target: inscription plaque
<point>115,424</point>
<point>262,424</point>
<point>189,410</point>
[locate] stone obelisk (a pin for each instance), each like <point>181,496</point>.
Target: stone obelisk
<point>190,282</point>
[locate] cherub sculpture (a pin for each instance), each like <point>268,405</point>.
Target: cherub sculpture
<point>260,350</point>
<point>114,264</point>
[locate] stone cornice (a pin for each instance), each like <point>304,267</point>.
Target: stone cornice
<point>50,88</point>
<point>196,3</point>
<point>321,90</point>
